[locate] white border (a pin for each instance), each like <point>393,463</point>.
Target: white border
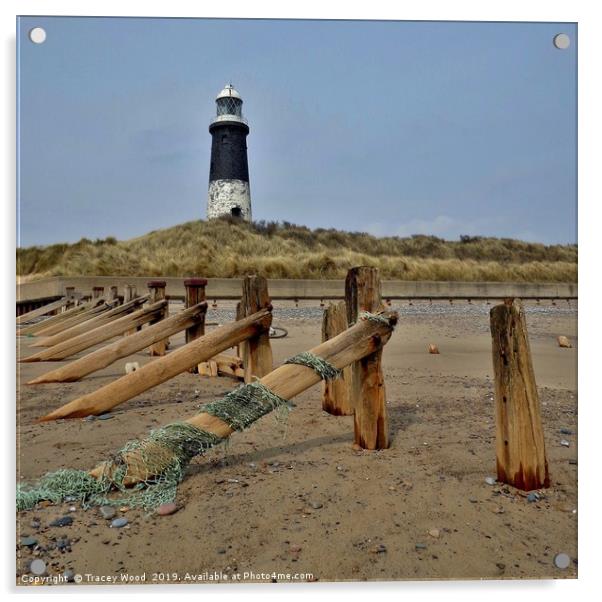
<point>590,102</point>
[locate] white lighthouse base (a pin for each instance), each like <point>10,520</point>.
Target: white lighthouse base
<point>229,198</point>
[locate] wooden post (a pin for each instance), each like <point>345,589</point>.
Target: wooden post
<point>97,335</point>
<point>371,428</point>
<point>97,291</point>
<point>114,292</point>
<point>101,358</point>
<point>156,289</point>
<point>257,351</point>
<point>195,293</point>
<point>129,293</point>
<point>286,381</point>
<point>336,398</point>
<point>520,448</point>
<point>164,368</point>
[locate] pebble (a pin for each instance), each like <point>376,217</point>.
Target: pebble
<point>490,480</point>
<point>562,561</point>
<point>167,509</point>
<point>316,505</point>
<point>221,550</point>
<point>63,521</point>
<point>69,575</point>
<point>533,497</point>
<point>473,500</point>
<point>119,522</point>
<point>106,416</point>
<point>35,524</point>
<point>107,512</point>
<point>63,544</point>
<point>434,533</point>
<point>37,566</point>
<point>420,546</point>
<point>90,418</point>
<point>381,548</point>
<point>564,442</point>
<point>72,508</point>
<point>29,541</point>
<point>566,432</point>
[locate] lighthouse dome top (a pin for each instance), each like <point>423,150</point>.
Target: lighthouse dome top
<point>229,91</point>
<point>228,106</point>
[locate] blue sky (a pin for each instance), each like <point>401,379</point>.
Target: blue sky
<point>386,127</point>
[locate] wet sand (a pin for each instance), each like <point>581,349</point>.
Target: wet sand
<point>296,498</point>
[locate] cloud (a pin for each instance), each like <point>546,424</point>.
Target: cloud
<point>443,226</point>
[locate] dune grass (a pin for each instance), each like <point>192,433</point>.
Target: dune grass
<point>226,248</point>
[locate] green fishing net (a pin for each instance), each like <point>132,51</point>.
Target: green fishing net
<point>324,369</point>
<point>159,461</point>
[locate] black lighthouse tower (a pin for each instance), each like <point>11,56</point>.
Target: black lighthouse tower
<point>229,192</point>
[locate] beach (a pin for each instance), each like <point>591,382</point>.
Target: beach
<point>291,499</point>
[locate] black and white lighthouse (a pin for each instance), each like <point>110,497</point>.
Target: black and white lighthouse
<point>229,192</point>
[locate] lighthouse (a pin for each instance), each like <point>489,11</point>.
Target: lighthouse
<point>229,192</point>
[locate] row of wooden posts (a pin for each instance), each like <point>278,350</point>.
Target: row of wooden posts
<point>520,449</point>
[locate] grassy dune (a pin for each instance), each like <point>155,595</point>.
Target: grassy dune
<point>222,248</point>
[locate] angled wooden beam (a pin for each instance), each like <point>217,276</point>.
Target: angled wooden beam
<point>92,308</point>
<point>42,311</point>
<point>101,358</point>
<point>112,312</point>
<point>98,335</point>
<point>164,368</point>
<point>360,340</point>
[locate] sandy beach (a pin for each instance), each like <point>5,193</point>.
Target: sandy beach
<point>293,497</point>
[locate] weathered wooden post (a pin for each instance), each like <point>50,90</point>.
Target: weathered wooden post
<point>157,293</point>
<point>336,399</point>
<point>257,351</point>
<point>371,425</point>
<point>70,294</point>
<point>195,293</point>
<point>129,293</point>
<point>520,447</point>
<point>97,292</point>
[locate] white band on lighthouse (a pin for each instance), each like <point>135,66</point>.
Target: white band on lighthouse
<point>229,197</point>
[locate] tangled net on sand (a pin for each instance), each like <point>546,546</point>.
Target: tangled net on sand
<point>159,461</point>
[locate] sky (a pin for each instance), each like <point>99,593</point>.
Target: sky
<point>392,128</point>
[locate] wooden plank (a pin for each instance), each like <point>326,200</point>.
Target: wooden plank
<point>163,368</point>
<point>41,311</point>
<point>112,312</point>
<point>93,308</point>
<point>336,398</point>
<point>286,381</point>
<point>371,428</point>
<point>101,358</point>
<point>520,447</point>
<point>98,335</point>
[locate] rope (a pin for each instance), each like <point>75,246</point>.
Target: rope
<point>324,369</point>
<point>376,318</point>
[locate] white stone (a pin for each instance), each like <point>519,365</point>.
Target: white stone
<point>131,367</point>
<point>226,195</point>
